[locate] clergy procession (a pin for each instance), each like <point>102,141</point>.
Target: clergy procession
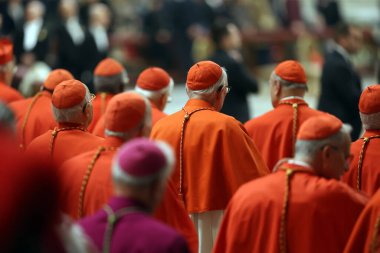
<point>93,161</point>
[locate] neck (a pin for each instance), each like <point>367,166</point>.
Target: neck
<point>68,124</point>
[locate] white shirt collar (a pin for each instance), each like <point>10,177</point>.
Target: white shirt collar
<point>292,97</point>
<point>343,52</point>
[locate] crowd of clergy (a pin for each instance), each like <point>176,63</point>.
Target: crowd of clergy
<point>111,172</point>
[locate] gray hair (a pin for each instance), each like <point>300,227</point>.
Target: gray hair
<point>309,148</point>
<point>156,94</point>
<point>113,84</point>
<point>73,114</point>
<point>289,85</point>
<point>370,121</point>
<point>145,122</point>
<point>120,176</point>
<point>223,81</point>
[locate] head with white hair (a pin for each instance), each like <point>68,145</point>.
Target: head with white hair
<point>72,103</point>
<point>207,81</point>
<point>110,76</point>
<point>369,107</point>
<point>287,80</point>
<point>324,143</point>
<point>140,170</point>
<point>128,115</point>
<point>155,84</point>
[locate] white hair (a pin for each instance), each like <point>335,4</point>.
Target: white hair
<point>145,123</point>
<point>370,121</point>
<point>310,148</point>
<point>289,85</point>
<point>73,114</point>
<point>156,94</point>
<point>111,83</point>
<point>121,176</point>
<point>223,81</point>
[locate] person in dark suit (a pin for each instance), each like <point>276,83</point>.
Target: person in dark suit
<point>69,39</point>
<point>341,85</point>
<point>227,40</point>
<point>31,41</point>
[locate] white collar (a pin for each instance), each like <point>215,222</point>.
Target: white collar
<point>292,97</point>
<point>299,163</point>
<point>343,52</point>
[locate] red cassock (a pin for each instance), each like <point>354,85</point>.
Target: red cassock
<point>33,116</point>
<point>274,133</point>
<point>218,155</point>
<point>99,106</point>
<point>319,216</point>
<point>70,140</point>
<point>367,177</point>
<point>8,94</point>
<point>82,197</point>
<point>156,116</point>
<point>365,235</point>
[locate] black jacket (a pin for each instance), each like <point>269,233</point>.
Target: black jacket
<point>241,83</point>
<point>341,89</point>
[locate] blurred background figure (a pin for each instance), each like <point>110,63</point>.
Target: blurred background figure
<point>340,83</point>
<point>70,39</point>
<point>228,43</point>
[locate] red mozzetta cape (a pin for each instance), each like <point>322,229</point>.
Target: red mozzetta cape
<point>33,116</point>
<point>365,236</point>
<point>99,189</point>
<point>67,144</point>
<point>99,106</point>
<point>369,178</point>
<point>273,131</point>
<point>8,94</point>
<point>320,214</point>
<point>156,116</point>
<point>218,155</point>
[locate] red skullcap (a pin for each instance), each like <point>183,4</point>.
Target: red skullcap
<point>370,100</point>
<point>124,112</point>
<point>55,77</point>
<point>68,94</point>
<point>203,75</point>
<point>153,79</point>
<point>108,67</point>
<point>291,71</point>
<point>319,127</point>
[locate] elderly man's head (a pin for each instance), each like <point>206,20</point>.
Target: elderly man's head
<point>156,85</point>
<point>7,63</point>
<point>110,76</point>
<point>369,107</point>
<point>99,15</point>
<point>287,79</point>
<point>128,115</point>
<point>207,81</point>
<point>68,8</point>
<point>72,103</point>
<point>34,10</point>
<point>324,143</point>
<point>140,170</point>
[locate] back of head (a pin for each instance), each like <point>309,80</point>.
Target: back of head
<point>110,76</point>
<point>71,103</point>
<point>153,83</point>
<point>56,77</point>
<point>288,79</point>
<point>141,164</point>
<point>319,140</point>
<point>369,107</point>
<point>128,115</point>
<point>226,35</point>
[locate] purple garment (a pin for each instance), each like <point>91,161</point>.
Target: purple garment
<point>134,232</point>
